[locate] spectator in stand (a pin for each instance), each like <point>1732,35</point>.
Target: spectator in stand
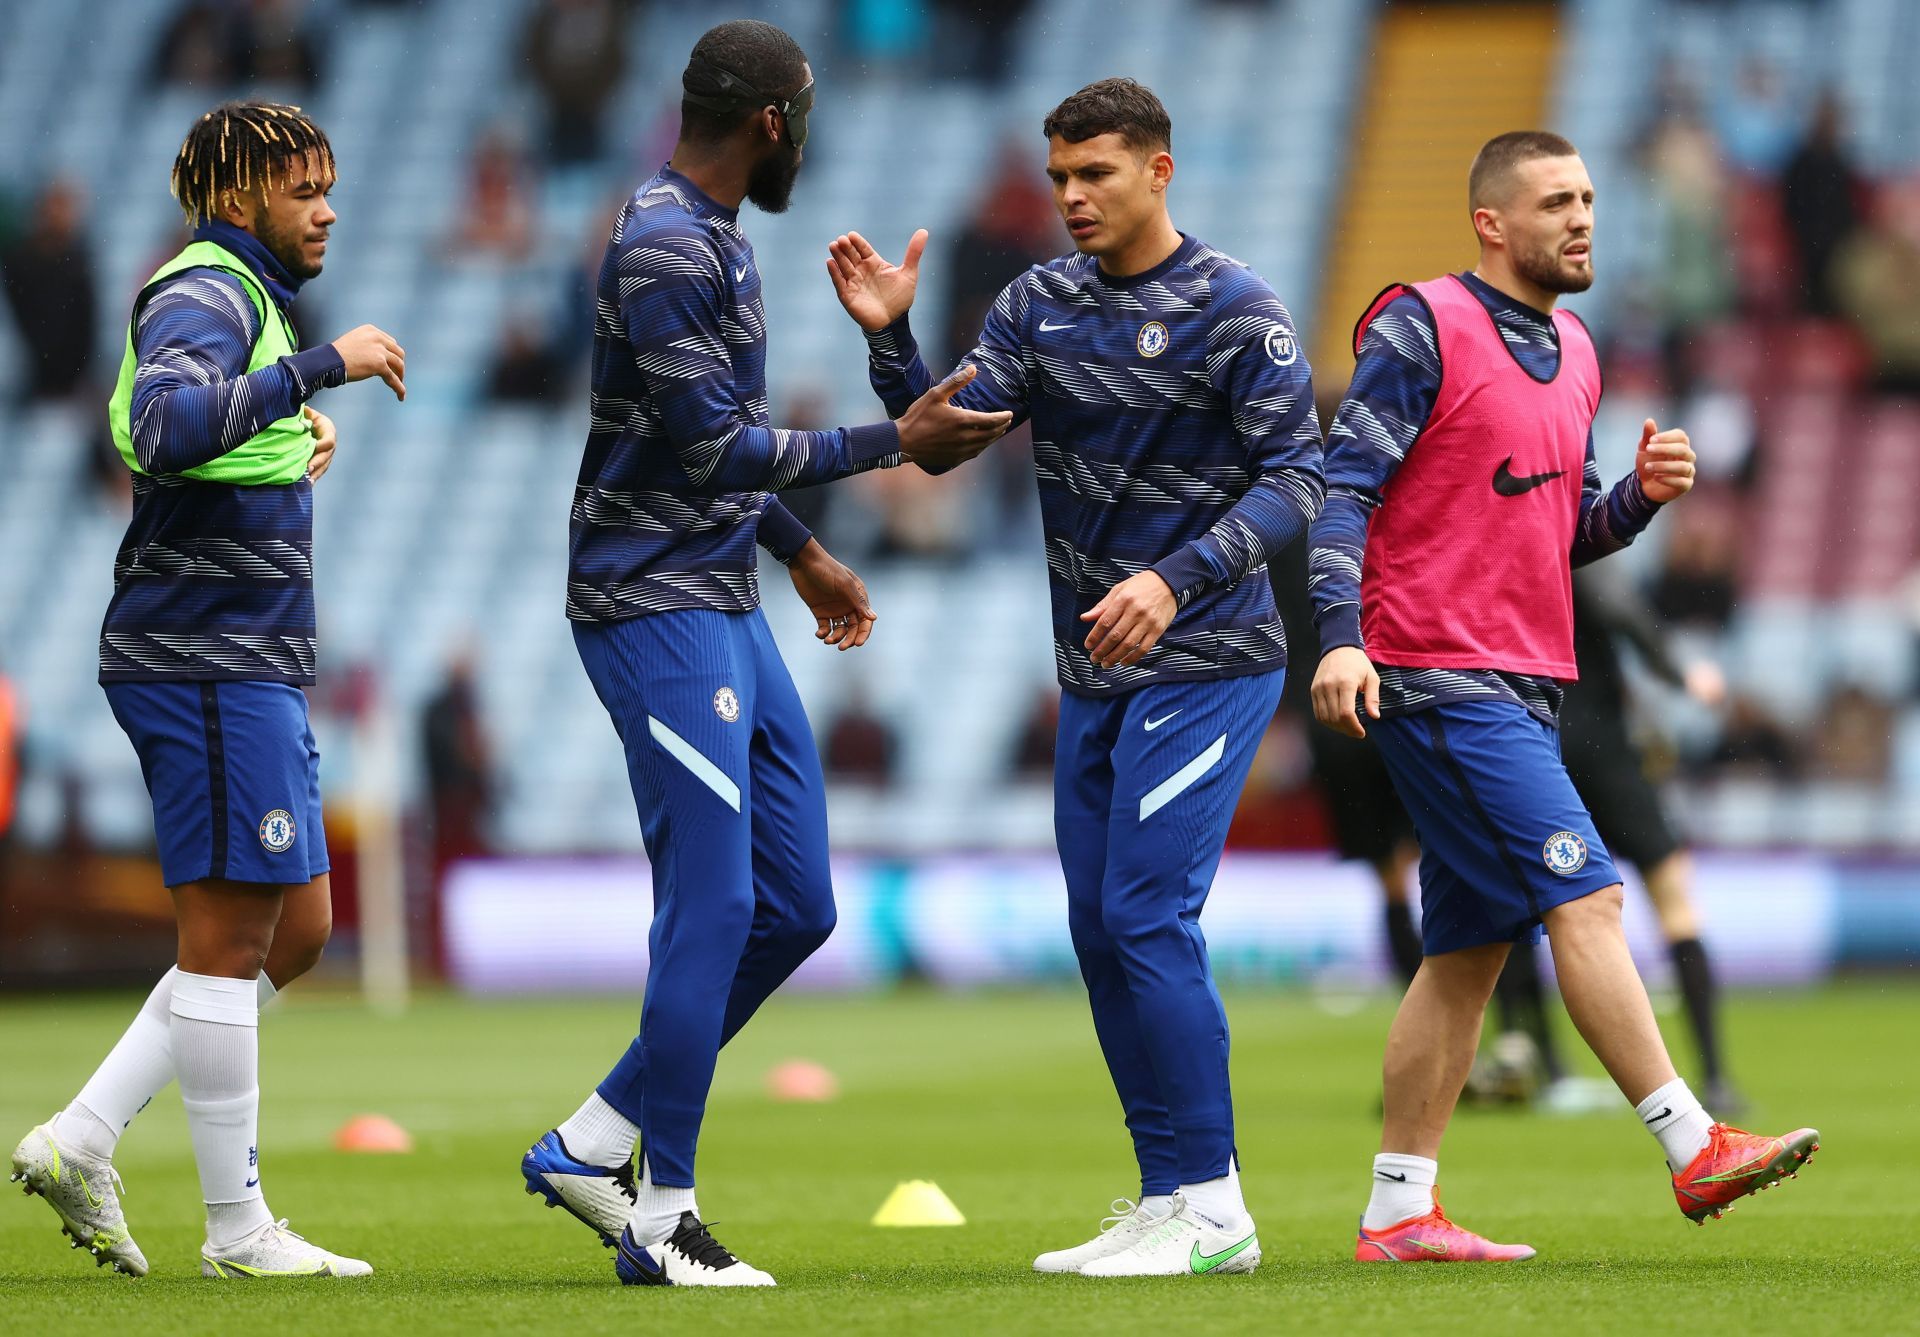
<point>1758,123</point>
<point>224,43</point>
<point>279,49</point>
<point>975,39</point>
<point>1754,746</point>
<point>1033,749</point>
<point>1013,227</point>
<point>496,219</point>
<point>1817,192</point>
<point>577,50</point>
<point>1696,582</point>
<point>460,780</point>
<point>48,276</point>
<point>1856,737</point>
<point>886,39</point>
<point>920,516</point>
<point>1690,184</point>
<point>860,747</point>
<point>203,47</point>
<point>524,370</point>
<point>1877,279</point>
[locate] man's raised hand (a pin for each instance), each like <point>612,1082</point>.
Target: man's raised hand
<point>874,291</point>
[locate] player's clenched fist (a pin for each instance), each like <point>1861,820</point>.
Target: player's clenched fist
<point>1664,462</point>
<point>370,351</point>
<point>936,435</point>
<point>1345,676</point>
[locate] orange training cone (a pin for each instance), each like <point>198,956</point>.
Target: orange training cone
<point>372,1133</point>
<point>800,1079</point>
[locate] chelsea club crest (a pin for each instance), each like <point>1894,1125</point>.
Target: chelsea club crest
<point>726,705</point>
<point>1153,339</point>
<point>277,831</point>
<point>1565,853</point>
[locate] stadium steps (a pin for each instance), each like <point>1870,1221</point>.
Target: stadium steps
<point>1443,82</point>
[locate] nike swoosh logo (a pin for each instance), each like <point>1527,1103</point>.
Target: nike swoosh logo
<point>1203,1263</point>
<point>1658,1117</point>
<point>87,1188</point>
<point>740,273</point>
<point>1151,725</point>
<point>1430,1248</point>
<point>253,1183</point>
<point>1509,484</point>
<point>1398,1179</point>
<point>1048,328</point>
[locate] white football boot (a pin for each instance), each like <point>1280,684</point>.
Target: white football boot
<point>688,1257</point>
<point>275,1251</point>
<point>84,1191</point>
<point>599,1196</point>
<point>1118,1233</point>
<point>1183,1245</point>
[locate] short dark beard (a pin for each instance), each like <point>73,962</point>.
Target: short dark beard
<point>1542,269</point>
<point>289,250</point>
<point>770,183</point>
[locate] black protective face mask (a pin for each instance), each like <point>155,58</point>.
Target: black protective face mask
<point>735,94</point>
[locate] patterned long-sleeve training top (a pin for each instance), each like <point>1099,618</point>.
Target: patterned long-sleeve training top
<point>213,580</point>
<point>1173,430</point>
<point>680,459</point>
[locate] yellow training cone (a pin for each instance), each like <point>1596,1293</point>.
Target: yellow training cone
<point>918,1202</point>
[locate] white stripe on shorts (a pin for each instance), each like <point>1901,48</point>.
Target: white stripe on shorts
<point>689,756</point>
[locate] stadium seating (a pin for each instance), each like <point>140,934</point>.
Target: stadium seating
<point>442,523</point>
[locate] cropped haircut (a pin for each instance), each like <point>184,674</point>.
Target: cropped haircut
<point>1497,158</point>
<point>1120,107</point>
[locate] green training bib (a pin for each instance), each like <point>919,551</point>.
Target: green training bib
<point>278,452</point>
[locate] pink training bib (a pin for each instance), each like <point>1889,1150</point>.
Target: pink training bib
<point>1468,561</point>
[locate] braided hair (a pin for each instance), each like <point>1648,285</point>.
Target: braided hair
<point>244,147</point>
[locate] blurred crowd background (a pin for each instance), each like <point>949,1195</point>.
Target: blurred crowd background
<point>1758,251</point>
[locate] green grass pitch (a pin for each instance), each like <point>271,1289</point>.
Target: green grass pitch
<point>1002,1099</point>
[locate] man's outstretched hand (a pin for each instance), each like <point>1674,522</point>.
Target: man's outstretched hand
<point>936,434</point>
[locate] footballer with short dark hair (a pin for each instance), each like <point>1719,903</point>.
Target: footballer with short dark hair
<point>1178,452</point>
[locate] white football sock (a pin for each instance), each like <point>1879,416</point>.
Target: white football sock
<point>136,1070</point>
<point>1673,1115</point>
<point>1402,1189</point>
<point>599,1134</point>
<point>216,1052</point>
<point>1156,1204</point>
<point>1218,1201</point>
<point>656,1212</point>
